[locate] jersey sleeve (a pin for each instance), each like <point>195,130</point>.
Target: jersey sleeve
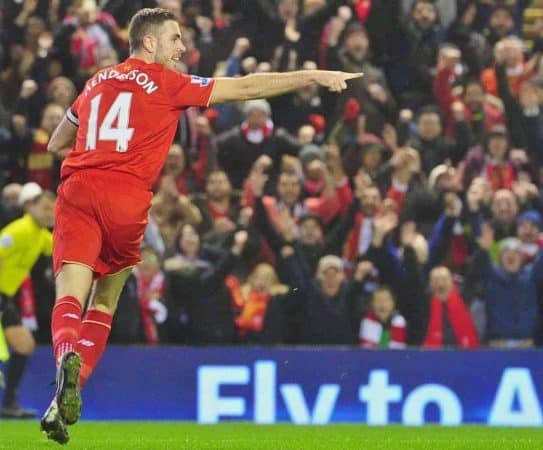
<point>188,90</point>
<point>72,113</point>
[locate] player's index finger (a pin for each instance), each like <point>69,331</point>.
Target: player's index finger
<point>350,76</point>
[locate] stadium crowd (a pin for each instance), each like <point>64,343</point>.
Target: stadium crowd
<point>406,211</point>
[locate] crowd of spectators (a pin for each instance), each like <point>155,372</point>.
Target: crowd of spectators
<point>406,211</point>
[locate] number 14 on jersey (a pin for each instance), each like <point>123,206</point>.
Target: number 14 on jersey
<point>119,112</point>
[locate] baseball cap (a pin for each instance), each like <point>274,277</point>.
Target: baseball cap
<point>29,192</point>
<point>531,216</point>
<point>510,243</point>
<point>329,262</point>
<point>309,153</point>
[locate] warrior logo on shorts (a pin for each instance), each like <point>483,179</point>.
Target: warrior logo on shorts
<point>202,81</point>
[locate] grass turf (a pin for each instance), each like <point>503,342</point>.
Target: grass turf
<point>161,435</point>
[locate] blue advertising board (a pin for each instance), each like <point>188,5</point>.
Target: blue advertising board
<point>305,386</point>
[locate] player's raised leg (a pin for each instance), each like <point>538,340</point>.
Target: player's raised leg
<point>73,284</point>
<point>96,324</point>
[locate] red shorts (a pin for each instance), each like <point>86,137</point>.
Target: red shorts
<point>100,218</point>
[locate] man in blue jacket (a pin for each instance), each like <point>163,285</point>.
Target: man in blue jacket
<point>509,290</point>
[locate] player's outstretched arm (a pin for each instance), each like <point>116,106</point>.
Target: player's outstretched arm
<point>63,138</point>
<point>260,85</point>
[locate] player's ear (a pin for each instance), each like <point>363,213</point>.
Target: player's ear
<point>149,43</point>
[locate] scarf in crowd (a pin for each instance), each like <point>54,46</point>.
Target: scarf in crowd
<point>27,304</point>
<point>149,290</point>
<point>531,250</point>
<point>515,77</point>
<point>252,306</point>
<point>257,135</point>
<point>398,193</point>
<point>313,188</point>
<point>459,246</point>
<point>216,213</point>
<point>40,161</point>
<point>86,44</point>
<point>499,176</point>
<point>374,334</point>
<point>459,318</point>
<point>359,238</point>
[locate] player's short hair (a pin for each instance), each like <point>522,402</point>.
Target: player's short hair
<point>142,22</point>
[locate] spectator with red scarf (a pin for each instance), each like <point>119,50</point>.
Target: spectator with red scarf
<point>401,177</point>
<point>450,323</point>
<point>452,238</point>
<point>490,160</point>
<point>219,205</point>
<point>402,270</point>
<point>35,163</point>
<point>150,292</point>
<point>40,163</point>
<point>240,147</point>
<point>529,226</point>
<point>260,304</point>
<point>382,326</point>
<point>94,32</point>
<point>510,51</point>
<point>470,107</point>
<point>289,206</point>
<point>360,236</point>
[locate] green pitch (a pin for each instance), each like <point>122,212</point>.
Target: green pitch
<point>161,435</point>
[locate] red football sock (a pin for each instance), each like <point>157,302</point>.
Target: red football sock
<point>92,341</point>
<point>65,324</point>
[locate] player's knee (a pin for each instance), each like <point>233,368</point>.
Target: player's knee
<point>75,281</point>
<point>66,290</point>
<point>107,304</point>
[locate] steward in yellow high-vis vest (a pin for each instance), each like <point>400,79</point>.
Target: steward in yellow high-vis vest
<point>21,244</point>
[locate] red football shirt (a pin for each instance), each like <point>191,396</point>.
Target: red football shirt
<point>127,117</point>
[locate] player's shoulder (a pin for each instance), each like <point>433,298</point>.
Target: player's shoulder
<point>188,79</point>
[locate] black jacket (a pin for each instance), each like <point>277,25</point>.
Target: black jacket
<point>236,155</point>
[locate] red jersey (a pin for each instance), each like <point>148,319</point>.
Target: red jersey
<point>127,117</point>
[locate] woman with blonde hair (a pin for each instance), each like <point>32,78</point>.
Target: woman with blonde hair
<point>259,303</point>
